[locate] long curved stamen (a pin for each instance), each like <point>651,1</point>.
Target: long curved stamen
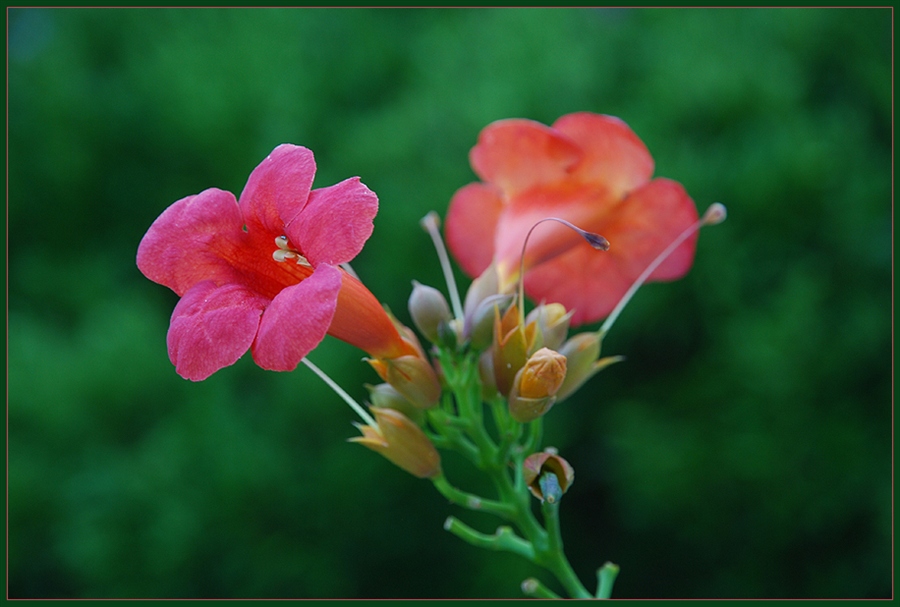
<point>430,223</point>
<point>715,214</point>
<point>340,392</point>
<point>595,240</point>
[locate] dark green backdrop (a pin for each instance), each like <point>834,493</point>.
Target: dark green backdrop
<point>743,450</point>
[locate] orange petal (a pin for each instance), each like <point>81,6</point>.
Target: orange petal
<point>471,221</point>
<point>590,283</point>
<point>517,154</point>
<point>613,155</point>
<point>361,321</point>
<point>582,204</point>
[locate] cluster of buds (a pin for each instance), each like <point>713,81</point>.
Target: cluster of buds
<point>525,359</point>
<point>410,387</point>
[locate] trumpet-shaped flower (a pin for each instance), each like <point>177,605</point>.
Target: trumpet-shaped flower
<point>261,273</point>
<point>590,170</point>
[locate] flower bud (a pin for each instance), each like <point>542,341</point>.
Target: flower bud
<point>402,442</point>
<point>428,309</point>
<point>481,322</point>
<point>412,376</point>
<point>510,349</point>
<point>542,375</point>
<point>552,324</point>
<point>537,469</point>
<point>582,352</point>
<point>481,298</point>
<point>385,396</point>
<point>536,384</point>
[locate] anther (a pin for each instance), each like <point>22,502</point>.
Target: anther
<point>281,255</point>
<point>285,252</point>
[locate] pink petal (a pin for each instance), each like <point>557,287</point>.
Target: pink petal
<point>182,246</point>
<point>297,320</point>
<point>335,223</point>
<point>470,225</point>
<point>518,154</point>
<point>212,327</point>
<point>592,282</point>
<point>279,187</point>
<point>613,155</point>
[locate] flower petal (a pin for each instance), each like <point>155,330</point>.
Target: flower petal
<point>212,327</point>
<point>361,321</point>
<point>297,320</point>
<point>517,154</point>
<point>584,205</point>
<point>613,155</point>
<point>278,189</point>
<point>471,223</point>
<point>335,223</point>
<point>591,283</point>
<point>180,248</point>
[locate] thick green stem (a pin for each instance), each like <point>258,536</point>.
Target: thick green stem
<point>503,464</point>
<point>554,558</point>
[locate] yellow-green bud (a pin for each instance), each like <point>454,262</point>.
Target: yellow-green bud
<point>412,376</point>
<point>401,441</point>
<point>385,396</point>
<point>552,322</point>
<point>428,309</point>
<point>582,351</point>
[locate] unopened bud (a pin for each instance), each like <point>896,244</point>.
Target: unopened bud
<point>481,324</point>
<point>537,471</point>
<point>536,384</point>
<point>402,442</point>
<point>385,396</point>
<point>478,308</point>
<point>429,310</point>
<point>412,376</point>
<point>552,323</point>
<point>511,346</point>
<point>582,352</point>
<point>542,375</point>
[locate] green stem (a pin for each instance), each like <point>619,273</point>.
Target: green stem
<point>533,587</point>
<point>503,464</point>
<point>471,501</point>
<point>606,577</point>
<point>554,557</point>
<point>450,428</point>
<point>504,539</point>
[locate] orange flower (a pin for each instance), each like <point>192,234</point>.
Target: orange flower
<point>590,170</point>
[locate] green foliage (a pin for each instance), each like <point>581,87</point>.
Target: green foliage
<point>742,450</point>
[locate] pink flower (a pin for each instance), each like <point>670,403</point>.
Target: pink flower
<point>589,169</point>
<point>262,273</point>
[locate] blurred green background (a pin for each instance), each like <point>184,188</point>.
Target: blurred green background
<point>743,450</point>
